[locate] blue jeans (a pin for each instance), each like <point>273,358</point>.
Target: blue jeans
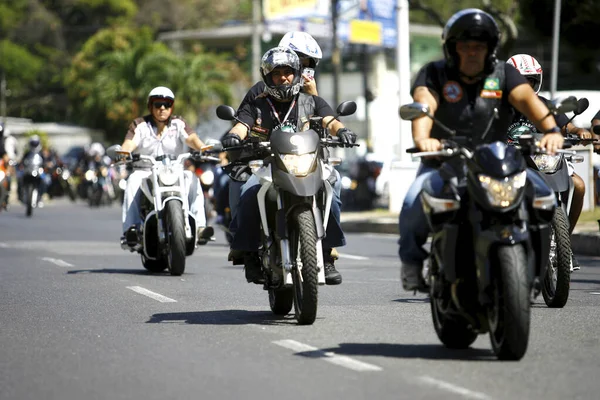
<point>413,226</point>
<point>246,222</point>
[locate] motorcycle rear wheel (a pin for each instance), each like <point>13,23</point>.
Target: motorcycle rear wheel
<point>556,290</point>
<point>453,333</point>
<point>281,301</point>
<point>509,316</point>
<point>175,233</point>
<point>155,266</point>
<point>306,281</point>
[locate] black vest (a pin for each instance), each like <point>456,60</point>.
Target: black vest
<point>265,121</point>
<point>471,116</point>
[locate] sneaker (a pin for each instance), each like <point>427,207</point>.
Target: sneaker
<point>412,278</point>
<point>204,234</point>
<point>332,276</point>
<point>254,273</point>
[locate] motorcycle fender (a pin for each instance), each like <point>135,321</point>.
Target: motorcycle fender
<point>560,180</point>
<point>484,242</point>
<point>186,214</point>
<point>306,186</point>
<point>318,220</point>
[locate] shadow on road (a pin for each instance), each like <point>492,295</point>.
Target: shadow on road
<point>425,351</point>
<point>595,281</point>
<point>413,300</point>
<point>223,317</point>
<point>116,271</point>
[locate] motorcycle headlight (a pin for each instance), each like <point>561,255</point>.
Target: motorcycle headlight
<point>168,177</point>
<point>503,192</point>
<point>2,175</point>
<point>298,165</point>
<point>207,178</point>
<point>122,184</point>
<point>89,175</point>
<point>104,171</point>
<point>546,162</point>
<point>346,182</point>
<point>66,174</point>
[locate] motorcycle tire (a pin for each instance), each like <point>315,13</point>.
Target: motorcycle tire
<point>31,194</point>
<point>452,332</point>
<point>155,266</point>
<point>509,316</point>
<point>175,233</point>
<point>557,281</point>
<point>306,280</point>
<point>281,301</point>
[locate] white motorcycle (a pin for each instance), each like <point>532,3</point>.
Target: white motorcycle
<point>168,232</point>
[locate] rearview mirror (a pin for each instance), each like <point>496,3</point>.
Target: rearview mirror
<point>226,113</point>
<point>413,110</point>
<point>582,105</point>
<point>346,108</point>
<point>563,105</point>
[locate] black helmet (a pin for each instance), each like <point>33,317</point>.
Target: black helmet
<point>279,57</point>
<point>471,24</point>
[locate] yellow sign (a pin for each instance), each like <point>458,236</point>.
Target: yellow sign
<point>365,32</point>
<point>274,9</point>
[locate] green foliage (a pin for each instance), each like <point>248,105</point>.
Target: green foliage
<point>18,63</point>
<point>445,8</point>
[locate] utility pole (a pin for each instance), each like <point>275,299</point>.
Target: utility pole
<point>336,57</point>
<point>403,70</point>
<point>256,13</point>
<point>555,41</point>
<point>3,97</point>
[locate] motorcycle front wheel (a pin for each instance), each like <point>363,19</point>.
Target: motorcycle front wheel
<point>31,197</point>
<point>557,281</point>
<point>175,233</point>
<point>509,315</point>
<point>155,266</point>
<point>306,280</point>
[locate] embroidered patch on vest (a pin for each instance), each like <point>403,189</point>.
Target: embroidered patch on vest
<point>452,92</point>
<point>491,84</point>
<point>491,94</point>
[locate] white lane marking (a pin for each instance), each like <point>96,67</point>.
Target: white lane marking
<point>352,257</point>
<point>454,388</point>
<point>594,292</point>
<point>4,245</point>
<point>151,294</point>
<point>56,261</point>
<point>328,356</point>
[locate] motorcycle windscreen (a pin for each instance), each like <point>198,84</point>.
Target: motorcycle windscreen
<point>499,160</point>
<point>294,142</point>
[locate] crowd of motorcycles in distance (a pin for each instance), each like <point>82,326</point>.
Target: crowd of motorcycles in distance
<point>76,176</point>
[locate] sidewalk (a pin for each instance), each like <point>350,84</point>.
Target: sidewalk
<point>585,239</point>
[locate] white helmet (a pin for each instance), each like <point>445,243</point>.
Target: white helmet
<point>304,45</point>
<point>161,92</point>
<point>529,67</point>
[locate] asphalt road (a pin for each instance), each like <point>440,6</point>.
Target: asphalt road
<point>81,319</point>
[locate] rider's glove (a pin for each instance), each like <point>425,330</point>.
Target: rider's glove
<point>346,137</point>
<point>231,140</point>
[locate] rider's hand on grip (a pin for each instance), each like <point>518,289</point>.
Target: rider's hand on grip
<point>346,137</point>
<point>428,144</point>
<point>552,142</point>
<point>231,140</point>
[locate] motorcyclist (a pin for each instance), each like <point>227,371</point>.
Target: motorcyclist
<point>8,153</point>
<point>309,52</point>
<point>531,69</point>
<point>34,146</point>
<point>281,106</point>
<point>158,133</point>
<point>463,91</point>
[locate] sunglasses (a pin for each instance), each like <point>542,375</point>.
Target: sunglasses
<point>159,104</point>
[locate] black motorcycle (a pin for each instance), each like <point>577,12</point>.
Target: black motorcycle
<point>488,243</point>
<point>555,284</point>
<point>31,181</point>
<point>294,204</point>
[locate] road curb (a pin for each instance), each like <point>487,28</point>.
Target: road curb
<point>584,243</point>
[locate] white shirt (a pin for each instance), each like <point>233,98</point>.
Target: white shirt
<point>143,132</point>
